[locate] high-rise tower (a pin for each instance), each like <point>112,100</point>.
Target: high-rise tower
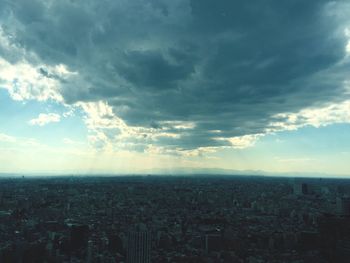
<point>139,245</point>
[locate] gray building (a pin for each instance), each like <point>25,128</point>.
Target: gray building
<point>343,206</point>
<point>139,245</point>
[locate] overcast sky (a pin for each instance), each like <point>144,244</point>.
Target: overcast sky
<point>126,85</point>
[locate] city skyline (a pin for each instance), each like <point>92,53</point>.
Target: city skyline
<point>124,87</point>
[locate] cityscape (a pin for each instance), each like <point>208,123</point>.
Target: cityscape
<point>174,131</point>
<point>198,218</point>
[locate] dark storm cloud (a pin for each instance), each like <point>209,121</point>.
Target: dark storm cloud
<point>224,65</point>
<point>151,69</point>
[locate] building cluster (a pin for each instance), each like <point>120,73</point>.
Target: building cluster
<point>143,219</point>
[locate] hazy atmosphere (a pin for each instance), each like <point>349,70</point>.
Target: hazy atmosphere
<point>166,86</point>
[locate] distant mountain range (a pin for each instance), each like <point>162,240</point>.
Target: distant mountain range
<point>220,171</point>
<point>181,171</point>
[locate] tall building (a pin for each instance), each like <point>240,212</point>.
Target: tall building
<point>300,188</point>
<point>89,252</point>
<point>343,206</point>
<point>138,245</point>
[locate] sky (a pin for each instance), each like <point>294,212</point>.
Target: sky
<point>128,86</point>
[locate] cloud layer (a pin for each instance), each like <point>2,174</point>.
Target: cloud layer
<point>45,118</point>
<point>179,75</point>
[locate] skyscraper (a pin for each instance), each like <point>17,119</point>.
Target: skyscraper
<point>139,245</point>
<point>300,188</point>
<point>343,206</point>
